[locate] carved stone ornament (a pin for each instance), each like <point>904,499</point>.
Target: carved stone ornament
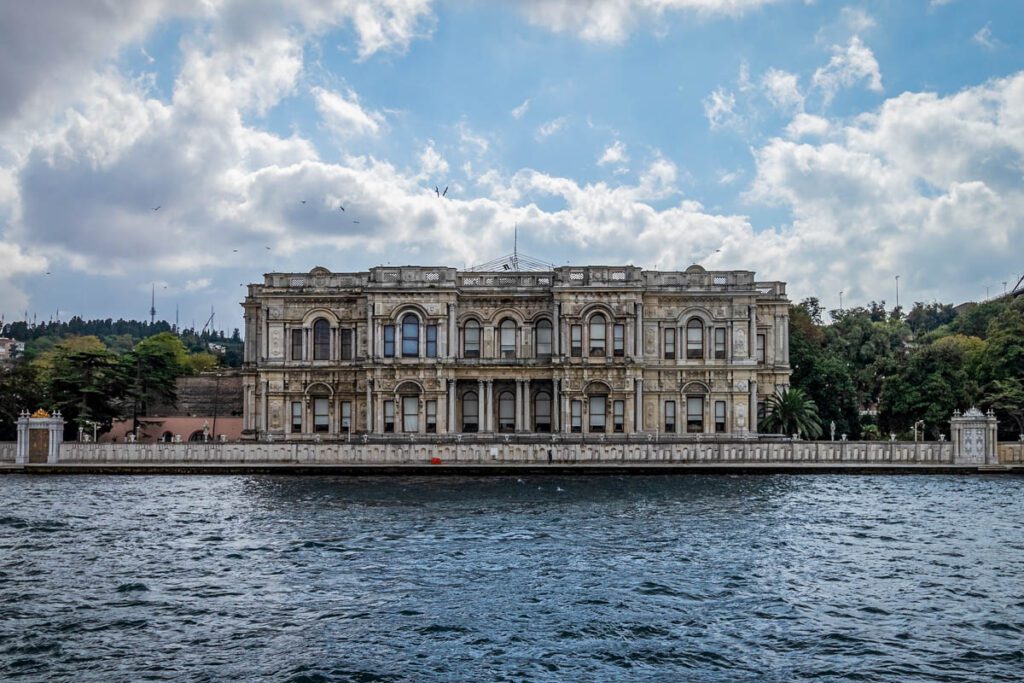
<point>40,413</point>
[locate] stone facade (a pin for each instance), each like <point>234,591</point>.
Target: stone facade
<point>577,349</point>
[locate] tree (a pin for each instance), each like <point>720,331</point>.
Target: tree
<point>1006,398</point>
<point>201,362</point>
<point>20,390</point>
<point>154,366</point>
<point>791,412</point>
<point>85,382</point>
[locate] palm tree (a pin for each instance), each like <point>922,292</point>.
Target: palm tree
<point>791,412</point>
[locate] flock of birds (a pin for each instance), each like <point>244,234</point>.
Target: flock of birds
<point>441,194</point>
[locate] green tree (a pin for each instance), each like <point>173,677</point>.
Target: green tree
<point>1006,398</point>
<point>154,366</point>
<point>85,382</point>
<point>791,412</point>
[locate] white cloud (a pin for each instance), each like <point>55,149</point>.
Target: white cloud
<point>849,66</point>
<point>521,110</point>
<point>549,128</point>
<point>198,284</point>
<point>614,153</point>
<point>471,142</point>
<point>783,90</point>
<point>856,20</point>
<point>927,186</point>
<point>984,37</point>
<point>612,21</point>
<point>432,164</point>
<point>729,177</point>
<point>806,124</point>
<point>344,116</point>
<point>719,108</point>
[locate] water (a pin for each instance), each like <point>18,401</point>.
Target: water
<point>782,578</point>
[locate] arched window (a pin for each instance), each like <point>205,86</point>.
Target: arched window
<point>597,335</point>
<point>470,411</point>
<point>471,340</point>
<point>542,412</point>
<point>321,340</point>
<point>543,332</point>
<point>508,338</point>
<point>196,436</point>
<point>507,412</point>
<point>694,339</point>
<point>410,336</point>
<point>167,437</point>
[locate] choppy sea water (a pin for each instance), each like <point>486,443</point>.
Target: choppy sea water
<point>673,578</point>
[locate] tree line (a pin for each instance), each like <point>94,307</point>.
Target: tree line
<point>99,371</point>
<point>876,372</point>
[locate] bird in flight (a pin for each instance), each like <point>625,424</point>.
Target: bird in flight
<point>341,207</point>
<point>303,201</point>
<point>356,222</point>
<point>268,248</point>
<point>234,251</point>
<point>157,208</point>
<point>438,192</point>
<point>445,193</point>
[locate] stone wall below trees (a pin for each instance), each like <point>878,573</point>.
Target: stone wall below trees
<point>8,449</point>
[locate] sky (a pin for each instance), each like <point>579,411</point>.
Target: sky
<point>189,146</point>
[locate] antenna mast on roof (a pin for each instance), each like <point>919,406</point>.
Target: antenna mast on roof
<point>515,247</point>
<point>152,305</point>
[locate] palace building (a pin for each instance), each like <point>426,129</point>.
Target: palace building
<point>575,350</point>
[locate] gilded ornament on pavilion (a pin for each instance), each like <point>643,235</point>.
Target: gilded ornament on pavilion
<point>40,413</point>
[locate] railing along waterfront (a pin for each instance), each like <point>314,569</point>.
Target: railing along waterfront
<point>519,451</point>
<point>8,449</point>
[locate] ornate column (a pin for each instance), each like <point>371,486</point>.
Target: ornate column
<point>21,455</point>
<point>453,333</point>
<point>519,406</point>
<point>370,349</point>
<point>639,331</point>
<point>369,405</point>
<point>451,407</point>
<point>556,407</point>
<point>378,412</point>
<point>526,406</point>
<point>489,415</point>
<point>556,329</point>
<point>638,404</point>
<point>753,406</point>
<point>752,335</point>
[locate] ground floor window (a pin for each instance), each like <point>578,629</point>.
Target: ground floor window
<point>542,412</point>
<point>695,415</point>
<point>321,420</point>
<point>470,412</point>
<point>506,412</point>
<point>719,417</point>
<point>670,417</point>
<point>619,416</point>
<point>598,413</point>
<point>410,414</point>
<point>296,417</point>
<point>346,417</point>
<point>389,416</point>
<point>577,417</point>
<point>431,417</point>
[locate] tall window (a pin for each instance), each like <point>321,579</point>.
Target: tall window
<point>506,412</point>
<point>542,412</point>
<point>760,348</point>
<point>670,343</point>
<point>346,417</point>
<point>576,341</point>
<point>576,412</point>
<point>389,341</point>
<point>431,341</point>
<point>470,412</point>
<point>543,332</point>
<point>597,335</point>
<point>719,417</point>
<point>431,409</point>
<point>694,340</point>
<point>507,332</point>
<point>695,414</point>
<point>296,417</point>
<point>346,344</point>
<point>321,340</point>
<point>321,421</point>
<point>720,343</point>
<point>619,416</point>
<point>296,344</point>
<point>618,341</point>
<point>598,413</point>
<point>410,414</point>
<point>761,413</point>
<point>410,336</point>
<point>471,340</point>
<point>670,417</point>
<point>389,416</point>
